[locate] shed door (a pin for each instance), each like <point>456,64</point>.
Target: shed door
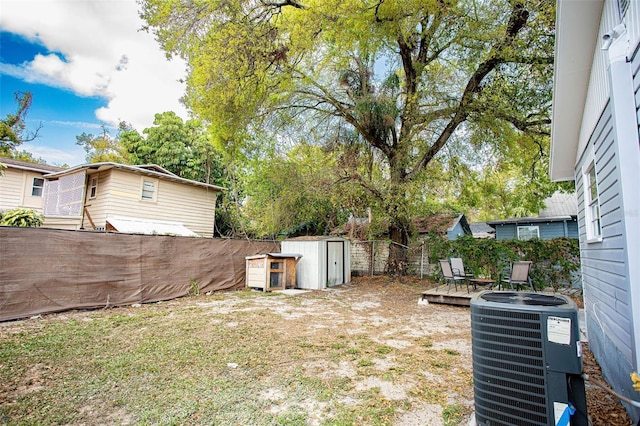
<point>335,262</point>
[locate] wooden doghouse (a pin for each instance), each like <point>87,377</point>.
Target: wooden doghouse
<point>272,271</point>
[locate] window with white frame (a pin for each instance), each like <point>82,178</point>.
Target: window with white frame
<point>592,203</point>
<point>148,189</point>
<point>528,232</point>
<point>37,187</point>
<point>623,6</point>
<point>93,189</point>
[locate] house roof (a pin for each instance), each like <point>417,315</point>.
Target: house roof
<point>25,165</point>
<point>577,24</point>
<point>440,223</point>
<point>482,230</point>
<point>436,223</point>
<point>531,219</point>
<point>147,169</point>
<point>560,204</point>
<point>131,225</point>
<point>559,207</point>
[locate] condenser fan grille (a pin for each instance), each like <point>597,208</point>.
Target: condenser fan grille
<point>508,367</point>
<point>513,298</point>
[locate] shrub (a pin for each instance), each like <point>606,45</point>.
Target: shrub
<point>21,217</point>
<point>555,262</point>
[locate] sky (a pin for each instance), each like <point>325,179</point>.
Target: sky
<point>87,64</point>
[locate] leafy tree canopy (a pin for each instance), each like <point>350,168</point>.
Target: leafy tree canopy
<point>396,86</point>
<point>13,130</point>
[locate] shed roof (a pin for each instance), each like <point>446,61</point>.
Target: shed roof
<point>314,238</point>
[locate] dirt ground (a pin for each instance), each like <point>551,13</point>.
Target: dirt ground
<point>421,354</point>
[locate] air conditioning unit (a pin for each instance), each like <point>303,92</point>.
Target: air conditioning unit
<point>527,360</point>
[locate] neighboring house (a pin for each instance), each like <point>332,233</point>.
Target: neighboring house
<point>133,199</point>
<point>22,184</point>
<point>559,218</point>
<point>482,230</point>
<point>595,142</point>
<point>450,225</point>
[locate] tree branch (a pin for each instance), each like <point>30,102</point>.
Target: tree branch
<point>517,20</point>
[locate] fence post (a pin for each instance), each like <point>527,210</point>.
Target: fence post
<point>373,257</point>
<point>421,260</point>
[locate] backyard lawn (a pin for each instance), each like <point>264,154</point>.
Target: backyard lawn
<point>364,353</point>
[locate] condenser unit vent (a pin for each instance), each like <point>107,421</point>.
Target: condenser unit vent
<point>527,359</point>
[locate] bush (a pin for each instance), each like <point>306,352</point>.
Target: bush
<point>21,217</point>
<point>556,262</point>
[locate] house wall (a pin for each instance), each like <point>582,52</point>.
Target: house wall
<point>119,194</point>
<point>548,230</point>
<point>455,232</point>
<point>611,274</point>
<point>15,190</point>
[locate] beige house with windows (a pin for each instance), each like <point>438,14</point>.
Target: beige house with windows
<point>116,197</point>
<point>22,184</point>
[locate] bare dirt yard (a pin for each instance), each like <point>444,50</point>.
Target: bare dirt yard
<point>365,353</point>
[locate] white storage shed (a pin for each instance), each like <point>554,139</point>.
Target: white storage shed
<point>326,261</point>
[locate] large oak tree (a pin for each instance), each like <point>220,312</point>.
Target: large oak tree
<point>407,77</point>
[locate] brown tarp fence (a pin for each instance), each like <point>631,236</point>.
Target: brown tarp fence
<point>49,270</point>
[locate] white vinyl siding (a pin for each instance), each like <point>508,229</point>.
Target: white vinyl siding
<point>16,188</point>
<point>120,195</point>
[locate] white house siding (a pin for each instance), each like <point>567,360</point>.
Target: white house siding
<point>192,206</point>
<point>15,190</point>
<point>97,207</point>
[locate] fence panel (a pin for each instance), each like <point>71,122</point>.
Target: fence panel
<point>49,270</point>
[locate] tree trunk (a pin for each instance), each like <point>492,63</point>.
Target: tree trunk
<point>398,261</point>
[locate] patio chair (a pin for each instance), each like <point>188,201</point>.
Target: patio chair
<point>448,276</point>
<point>457,266</point>
<point>519,275</point>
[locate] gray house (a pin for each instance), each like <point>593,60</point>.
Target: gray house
<point>595,142</point>
<point>559,218</point>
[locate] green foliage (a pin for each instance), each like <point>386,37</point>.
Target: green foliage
<point>452,414</point>
<point>390,87</point>
<point>293,194</point>
<point>21,217</point>
<point>13,130</point>
<point>194,288</point>
<point>183,148</point>
<point>102,148</point>
<point>555,261</point>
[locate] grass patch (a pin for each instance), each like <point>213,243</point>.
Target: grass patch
<point>232,358</point>
<point>452,415</point>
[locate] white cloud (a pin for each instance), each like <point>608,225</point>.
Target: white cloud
<point>98,50</point>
